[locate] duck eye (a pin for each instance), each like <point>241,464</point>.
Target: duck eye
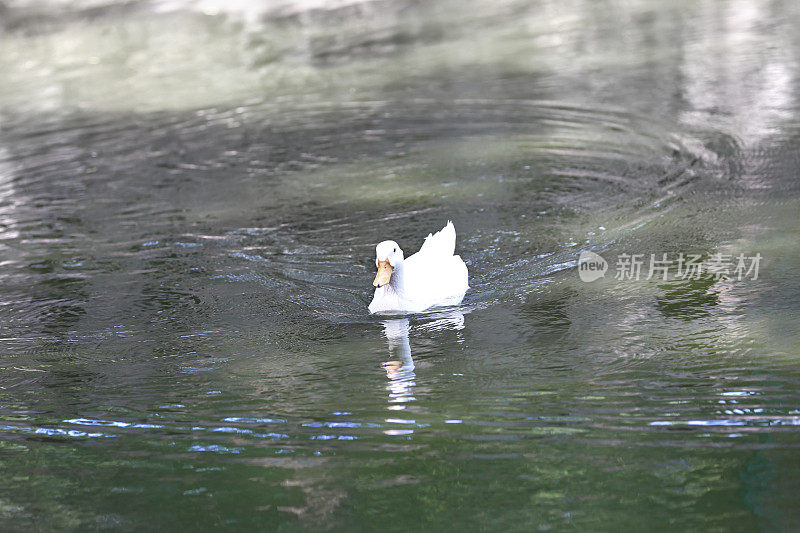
<point>395,249</point>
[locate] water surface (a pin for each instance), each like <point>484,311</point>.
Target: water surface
<point>189,203</point>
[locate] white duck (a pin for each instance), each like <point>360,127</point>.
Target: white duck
<point>433,276</point>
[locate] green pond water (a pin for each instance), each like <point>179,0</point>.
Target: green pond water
<point>190,196</point>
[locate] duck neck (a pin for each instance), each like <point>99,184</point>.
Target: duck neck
<point>398,279</point>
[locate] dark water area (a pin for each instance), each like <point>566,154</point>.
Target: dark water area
<point>190,196</point>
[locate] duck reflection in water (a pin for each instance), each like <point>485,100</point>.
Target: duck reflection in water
<point>400,368</point>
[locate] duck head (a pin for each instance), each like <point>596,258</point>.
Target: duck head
<point>388,256</point>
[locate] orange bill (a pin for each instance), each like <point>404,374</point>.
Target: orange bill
<point>384,273</point>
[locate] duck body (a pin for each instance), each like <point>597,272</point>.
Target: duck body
<point>434,276</point>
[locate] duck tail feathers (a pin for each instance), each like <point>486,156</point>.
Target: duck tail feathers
<point>441,243</point>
